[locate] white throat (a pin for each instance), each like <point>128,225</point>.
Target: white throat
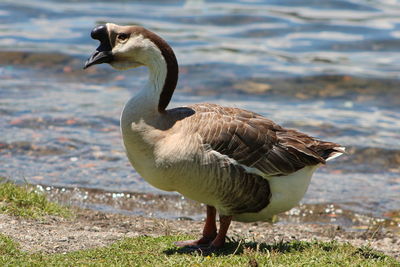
<point>146,101</point>
<point>150,94</point>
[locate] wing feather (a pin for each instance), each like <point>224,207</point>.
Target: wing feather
<point>257,142</point>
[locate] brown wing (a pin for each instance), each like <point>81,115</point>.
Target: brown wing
<point>257,142</point>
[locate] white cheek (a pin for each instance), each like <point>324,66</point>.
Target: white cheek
<point>126,54</point>
<point>134,53</point>
<point>131,46</point>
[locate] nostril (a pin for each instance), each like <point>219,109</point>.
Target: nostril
<point>99,32</point>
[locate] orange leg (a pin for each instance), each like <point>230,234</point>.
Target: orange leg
<point>209,231</point>
<point>219,240</point>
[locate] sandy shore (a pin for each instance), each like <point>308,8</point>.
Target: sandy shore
<point>92,229</point>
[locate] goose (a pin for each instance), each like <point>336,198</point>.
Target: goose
<point>240,164</point>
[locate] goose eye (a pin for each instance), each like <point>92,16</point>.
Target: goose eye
<point>122,36</point>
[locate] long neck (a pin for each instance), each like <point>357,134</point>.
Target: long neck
<point>163,75</point>
<point>171,77</point>
<point>150,95</point>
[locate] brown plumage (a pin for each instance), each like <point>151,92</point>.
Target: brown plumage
<point>255,141</point>
<point>237,162</point>
<point>246,139</point>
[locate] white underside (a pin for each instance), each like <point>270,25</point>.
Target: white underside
<point>287,191</point>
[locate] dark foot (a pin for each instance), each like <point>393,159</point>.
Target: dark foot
<point>202,242</point>
<point>217,243</point>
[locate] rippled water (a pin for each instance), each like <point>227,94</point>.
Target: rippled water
<point>329,68</point>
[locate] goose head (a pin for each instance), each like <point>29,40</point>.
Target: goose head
<point>126,47</point>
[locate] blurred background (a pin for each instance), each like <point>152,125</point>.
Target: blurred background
<point>328,68</point>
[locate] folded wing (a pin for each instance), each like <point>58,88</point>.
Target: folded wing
<point>256,142</point>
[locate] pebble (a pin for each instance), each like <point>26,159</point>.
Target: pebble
<point>95,229</point>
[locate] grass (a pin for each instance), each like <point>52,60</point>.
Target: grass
<point>159,251</point>
<point>25,202</point>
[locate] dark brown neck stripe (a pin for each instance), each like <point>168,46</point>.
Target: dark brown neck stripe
<point>172,69</point>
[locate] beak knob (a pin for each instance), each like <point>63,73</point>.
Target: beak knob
<point>99,33</point>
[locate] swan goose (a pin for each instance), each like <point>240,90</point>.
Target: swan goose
<point>240,164</point>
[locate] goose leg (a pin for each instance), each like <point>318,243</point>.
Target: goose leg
<point>209,231</point>
<point>219,240</point>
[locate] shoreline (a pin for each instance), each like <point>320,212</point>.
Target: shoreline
<point>177,207</point>
<point>89,229</point>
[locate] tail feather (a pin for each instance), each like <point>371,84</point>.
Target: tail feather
<point>336,152</point>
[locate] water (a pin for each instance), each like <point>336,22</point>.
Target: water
<point>330,69</point>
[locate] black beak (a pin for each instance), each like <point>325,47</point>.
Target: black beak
<point>103,53</point>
